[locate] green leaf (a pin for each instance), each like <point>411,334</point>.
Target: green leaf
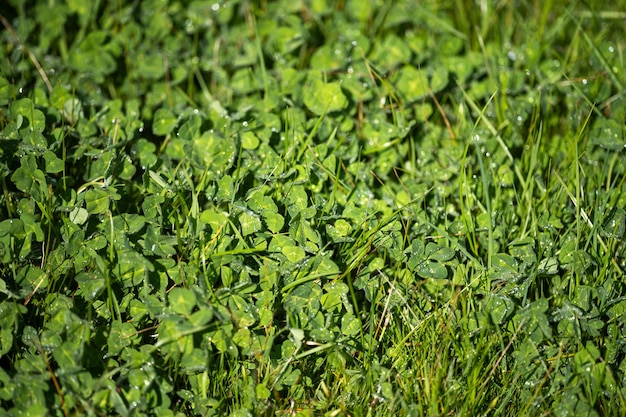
<point>176,337</point>
<point>132,268</point>
<point>164,122</point>
<point>25,108</point>
<point>194,361</point>
<point>325,266</point>
<point>121,335</point>
<point>158,244</point>
<point>548,266</point>
<point>32,227</point>
<point>150,65</point>
<point>250,223</point>
<point>431,269</point>
<point>12,227</point>
<point>392,51</point>
<point>262,203</point>
<point>582,297</point>
<point>576,259</point>
<point>97,201</point>
<point>286,39</point>
<point>524,250</point>
<point>334,294</point>
<point>90,57</point>
<point>298,199</point>
<point>293,253</point>
<point>201,317</point>
<point>322,98</point>
<point>213,153</point>
<point>151,206</point>
<point>414,84</point>
<point>504,266</point>
<point>225,189</point>
<point>439,253</point>
<point>534,320</point>
<point>273,221</point>
<point>244,314</point>
<point>144,150</point>
<point>279,242</point>
<point>243,81</point>
<point>73,110</point>
<point>78,215</point>
<point>222,339</point>
<point>618,311</point>
<point>182,300</point>
<point>416,254</point>
<point>53,163</point>
<point>68,355</point>
<point>499,308</point>
<point>303,302</point>
<point>7,91</point>
<point>217,220</point>
<point>350,325</point>
<point>30,179</point>
<point>137,310</point>
<point>262,392</point>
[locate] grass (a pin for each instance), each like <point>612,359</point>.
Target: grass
<point>312,208</point>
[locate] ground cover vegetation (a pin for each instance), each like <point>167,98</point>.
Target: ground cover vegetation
<point>312,208</point>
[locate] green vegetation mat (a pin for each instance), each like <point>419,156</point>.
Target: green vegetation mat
<point>298,208</point>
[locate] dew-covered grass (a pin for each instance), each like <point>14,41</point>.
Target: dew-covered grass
<point>312,208</point>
